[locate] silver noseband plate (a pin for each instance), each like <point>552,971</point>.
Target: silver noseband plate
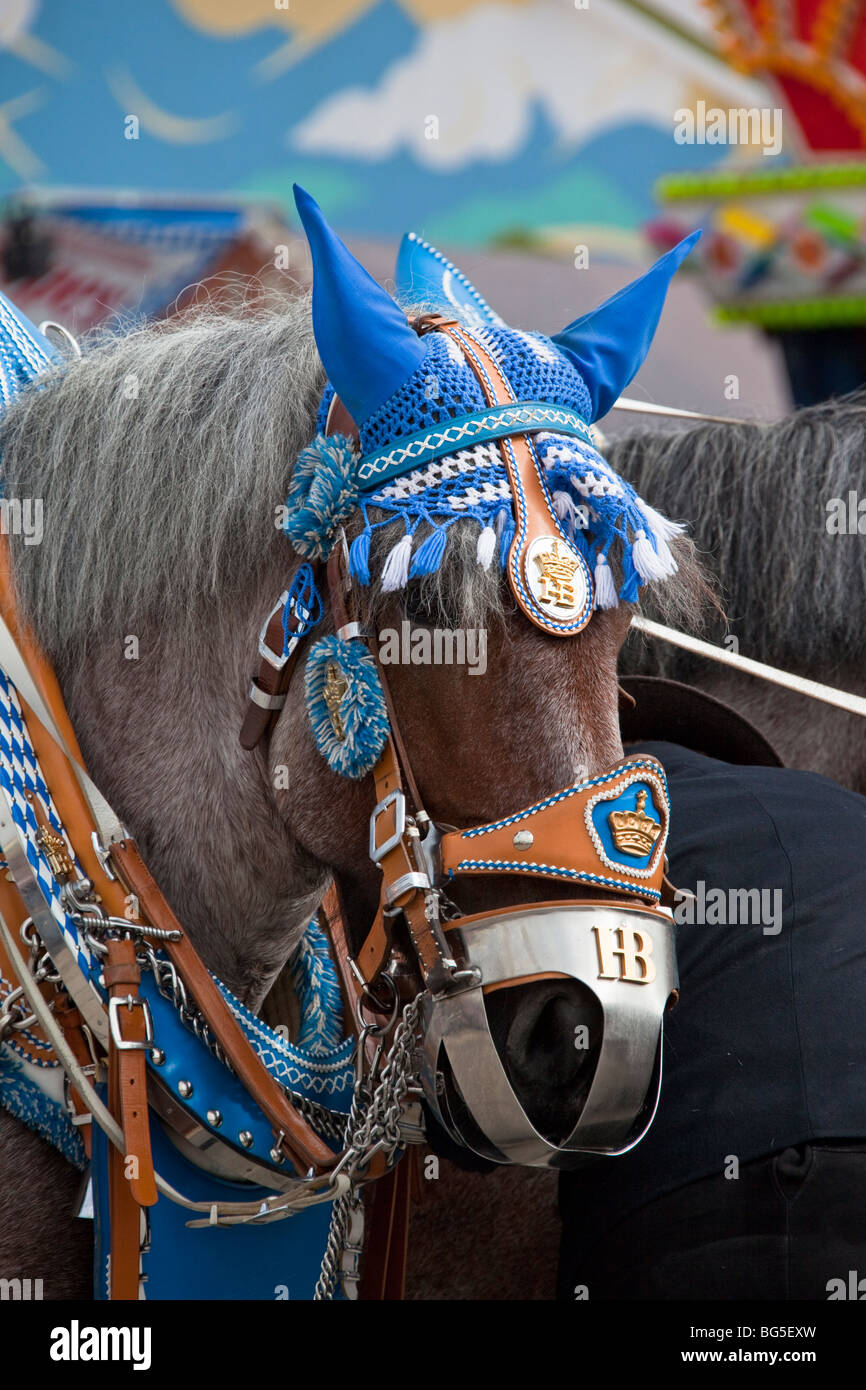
<point>626,956</point>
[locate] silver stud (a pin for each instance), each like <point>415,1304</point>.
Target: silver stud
<point>246,1138</point>
<point>157,1056</point>
<point>276,1157</point>
<point>214,1118</point>
<point>524,839</point>
<point>185,1089</point>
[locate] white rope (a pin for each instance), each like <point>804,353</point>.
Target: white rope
<point>628,403</point>
<point>843,699</point>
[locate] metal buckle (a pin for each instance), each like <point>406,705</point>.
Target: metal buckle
<point>279,659</point>
<point>114,1024</point>
<point>398,800</point>
<point>104,857</point>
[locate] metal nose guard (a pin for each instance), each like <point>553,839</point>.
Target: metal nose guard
<point>585,942</point>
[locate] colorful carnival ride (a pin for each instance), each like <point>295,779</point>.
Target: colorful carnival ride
<point>784,241</point>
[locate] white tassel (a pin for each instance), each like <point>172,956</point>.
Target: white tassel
<point>666,556</point>
<point>661,527</point>
<point>396,569</point>
<point>486,547</point>
<point>605,589</point>
<point>649,564</point>
<point>564,508</point>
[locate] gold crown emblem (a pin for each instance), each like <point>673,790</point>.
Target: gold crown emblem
<point>557,576</point>
<point>634,832</point>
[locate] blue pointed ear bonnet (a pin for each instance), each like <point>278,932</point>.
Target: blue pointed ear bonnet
<point>476,421</point>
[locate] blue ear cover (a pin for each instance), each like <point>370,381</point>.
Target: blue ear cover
<point>609,344</point>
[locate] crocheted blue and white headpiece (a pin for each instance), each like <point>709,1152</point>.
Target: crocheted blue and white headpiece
<point>429,440</point>
<point>25,353</point>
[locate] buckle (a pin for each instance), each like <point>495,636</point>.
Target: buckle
<point>114,1024</point>
<point>275,659</point>
<point>398,801</point>
<point>279,659</point>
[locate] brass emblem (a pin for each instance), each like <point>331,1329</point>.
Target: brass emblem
<point>56,853</point>
<point>335,689</point>
<point>556,581</point>
<point>634,832</point>
<point>625,953</point>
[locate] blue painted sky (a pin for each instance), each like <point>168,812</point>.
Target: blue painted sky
<point>76,129</point>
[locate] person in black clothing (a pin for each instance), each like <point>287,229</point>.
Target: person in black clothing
<point>752,1180</point>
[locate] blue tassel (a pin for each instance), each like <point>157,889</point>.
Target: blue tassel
<point>318,991</point>
<point>428,556</point>
<point>631,581</point>
<point>359,558</point>
<point>509,531</point>
<point>322,495</point>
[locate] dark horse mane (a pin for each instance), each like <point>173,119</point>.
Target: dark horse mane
<point>755,496</point>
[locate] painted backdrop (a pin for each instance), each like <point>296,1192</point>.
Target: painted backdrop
<point>514,122</point>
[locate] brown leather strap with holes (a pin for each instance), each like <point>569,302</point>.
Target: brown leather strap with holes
<point>126,1071</point>
<point>127,1068</point>
<point>125,1219</point>
<point>428,942</point>
<point>300,1143</point>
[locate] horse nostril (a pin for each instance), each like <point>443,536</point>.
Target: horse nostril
<point>549,1033</point>
<point>548,1036</point>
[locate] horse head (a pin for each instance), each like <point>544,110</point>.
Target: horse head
<point>456,472</point>
<point>453,487</point>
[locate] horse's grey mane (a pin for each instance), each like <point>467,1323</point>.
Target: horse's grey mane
<point>756,496</point>
<point>161,459</point>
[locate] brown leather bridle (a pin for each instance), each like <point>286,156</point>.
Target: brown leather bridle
<point>408,848</point>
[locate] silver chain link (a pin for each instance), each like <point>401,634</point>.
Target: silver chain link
<point>14,1015</point>
<point>373,1127</point>
<point>171,987</point>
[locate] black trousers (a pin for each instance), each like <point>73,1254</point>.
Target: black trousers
<point>784,1229</point>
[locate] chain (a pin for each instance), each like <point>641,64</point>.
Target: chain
<point>171,987</point>
<point>373,1127</point>
<point>14,1017</point>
